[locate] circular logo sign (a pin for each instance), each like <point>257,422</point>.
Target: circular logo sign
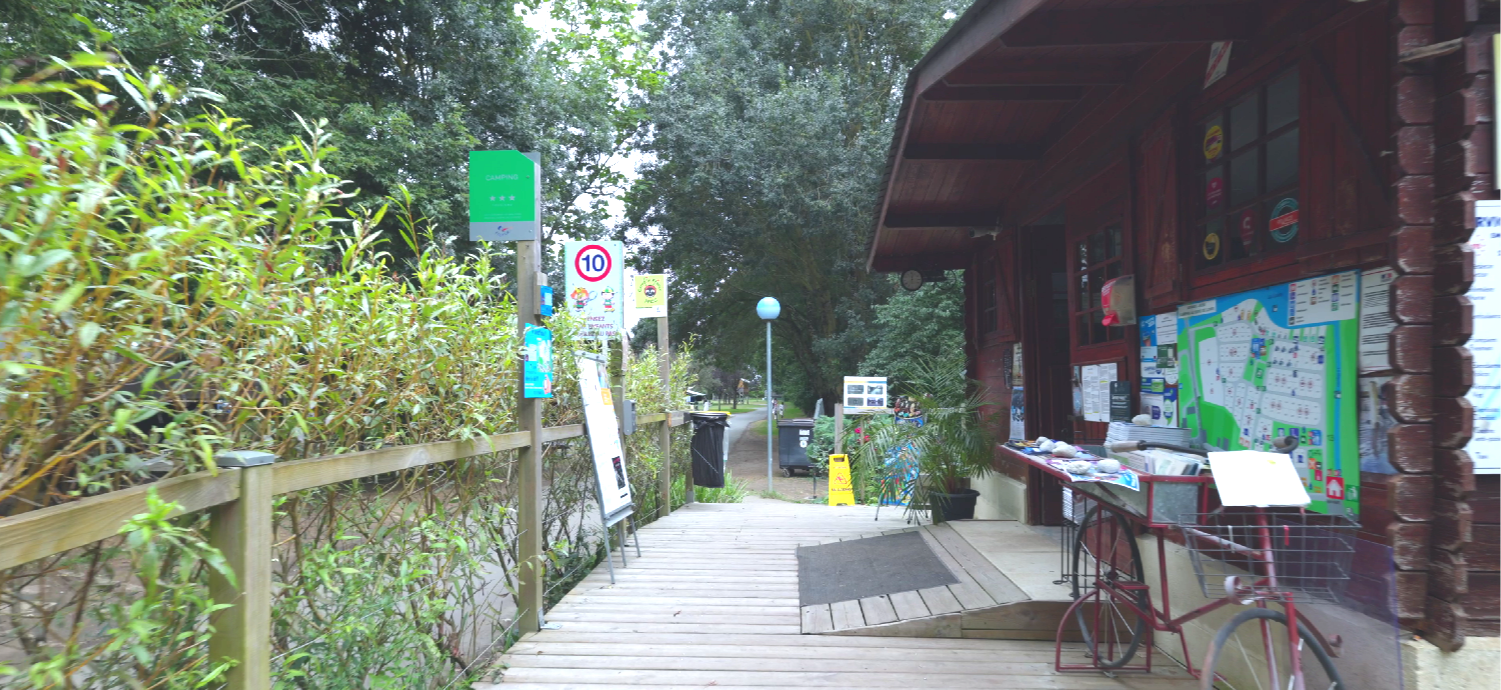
<point>1247,226</point>
<point>1214,192</point>
<point>593,263</point>
<point>1214,142</point>
<point>1211,246</point>
<point>649,290</point>
<point>1284,225</point>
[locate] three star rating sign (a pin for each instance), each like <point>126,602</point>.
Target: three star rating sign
<point>505,196</point>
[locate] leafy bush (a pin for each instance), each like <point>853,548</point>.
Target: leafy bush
<point>165,297</point>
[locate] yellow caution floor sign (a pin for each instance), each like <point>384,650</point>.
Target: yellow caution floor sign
<point>841,489</point>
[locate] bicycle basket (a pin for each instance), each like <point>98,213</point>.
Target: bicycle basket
<point>1310,554</point>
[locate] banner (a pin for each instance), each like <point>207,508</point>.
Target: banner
<point>595,286</point>
<point>651,295</point>
<point>537,370</point>
<point>604,435</point>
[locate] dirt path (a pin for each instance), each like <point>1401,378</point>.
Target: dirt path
<point>747,463</point>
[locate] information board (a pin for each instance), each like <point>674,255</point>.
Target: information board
<point>651,295</point>
<point>1485,295</point>
<point>1276,362</point>
<point>595,286</point>
<point>604,436</point>
<point>505,195</point>
<point>865,394</point>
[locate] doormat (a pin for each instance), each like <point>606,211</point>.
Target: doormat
<point>869,567</point>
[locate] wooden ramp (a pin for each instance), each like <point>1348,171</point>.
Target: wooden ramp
<point>984,603</point>
<point>713,602</point>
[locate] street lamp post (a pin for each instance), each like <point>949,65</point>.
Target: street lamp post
<point>768,309</point>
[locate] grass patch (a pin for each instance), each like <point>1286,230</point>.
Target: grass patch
<point>733,491</point>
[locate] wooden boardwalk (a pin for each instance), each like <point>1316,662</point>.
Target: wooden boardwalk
<point>713,602</point>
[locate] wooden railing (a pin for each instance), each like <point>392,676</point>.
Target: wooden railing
<point>240,525</point>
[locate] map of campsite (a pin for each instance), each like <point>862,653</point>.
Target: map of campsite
<point>1278,362</point>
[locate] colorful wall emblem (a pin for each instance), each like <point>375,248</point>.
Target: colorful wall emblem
<point>1214,142</point>
<point>1284,225</point>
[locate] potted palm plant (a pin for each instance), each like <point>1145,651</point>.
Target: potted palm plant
<point>948,445</point>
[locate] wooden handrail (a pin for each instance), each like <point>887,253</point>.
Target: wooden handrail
<point>52,530</point>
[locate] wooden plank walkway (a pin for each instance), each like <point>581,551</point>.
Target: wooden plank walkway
<point>713,602</point>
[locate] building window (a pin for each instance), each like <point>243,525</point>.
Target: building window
<point>989,320</point>
<point>1248,178</point>
<point>1097,258</point>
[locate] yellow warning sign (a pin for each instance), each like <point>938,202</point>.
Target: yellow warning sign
<point>841,489</point>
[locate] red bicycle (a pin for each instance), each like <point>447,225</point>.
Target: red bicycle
<point>1250,557</point>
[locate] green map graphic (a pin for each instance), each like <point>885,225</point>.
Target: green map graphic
<point>1277,362</point>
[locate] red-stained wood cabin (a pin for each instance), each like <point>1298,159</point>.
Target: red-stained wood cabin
<point>1045,146</point>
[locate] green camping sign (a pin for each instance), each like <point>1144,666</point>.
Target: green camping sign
<point>505,196</point>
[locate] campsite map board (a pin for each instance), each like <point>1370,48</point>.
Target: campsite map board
<point>604,437</point>
<point>1275,362</point>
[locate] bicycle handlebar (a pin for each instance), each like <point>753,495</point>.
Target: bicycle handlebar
<point>1284,446</point>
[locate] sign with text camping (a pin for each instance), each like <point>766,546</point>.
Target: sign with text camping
<point>505,196</point>
<point>595,286</point>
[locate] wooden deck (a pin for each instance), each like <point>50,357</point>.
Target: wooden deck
<point>713,602</point>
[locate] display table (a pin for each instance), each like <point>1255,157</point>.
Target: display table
<point>1158,503</point>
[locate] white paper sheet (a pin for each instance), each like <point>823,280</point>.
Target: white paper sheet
<point>1257,478</point>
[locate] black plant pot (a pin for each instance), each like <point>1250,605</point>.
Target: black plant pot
<point>958,506</point>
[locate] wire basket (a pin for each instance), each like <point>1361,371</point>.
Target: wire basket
<point>1310,554</point>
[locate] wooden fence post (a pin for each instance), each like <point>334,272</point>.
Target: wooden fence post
<point>531,573</point>
<point>664,434</point>
<point>241,530</point>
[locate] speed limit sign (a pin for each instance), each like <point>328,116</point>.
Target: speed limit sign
<point>593,263</point>
<point>595,286</point>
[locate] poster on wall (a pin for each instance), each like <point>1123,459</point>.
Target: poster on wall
<point>1096,389</point>
<point>604,436</point>
<point>1485,393</point>
<point>1376,321</point>
<point>1018,413</point>
<point>1277,362</point>
<point>595,286</point>
<point>865,395</point>
<point>1159,368</point>
<point>1375,421</point>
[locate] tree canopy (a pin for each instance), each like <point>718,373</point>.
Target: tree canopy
<point>768,139</point>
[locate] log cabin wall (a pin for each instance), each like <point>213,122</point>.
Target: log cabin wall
<point>1392,152</point>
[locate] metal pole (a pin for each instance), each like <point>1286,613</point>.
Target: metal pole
<point>770,423</point>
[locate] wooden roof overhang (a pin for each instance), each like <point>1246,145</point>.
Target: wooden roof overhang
<point>996,105</point>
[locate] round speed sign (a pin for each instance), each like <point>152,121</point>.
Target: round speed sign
<point>593,263</point>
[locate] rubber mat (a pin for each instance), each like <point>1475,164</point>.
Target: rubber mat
<point>868,567</point>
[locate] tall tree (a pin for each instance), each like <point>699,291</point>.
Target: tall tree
<point>919,327</point>
<point>768,141</point>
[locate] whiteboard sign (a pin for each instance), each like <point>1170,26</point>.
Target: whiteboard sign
<point>1485,393</point>
<point>604,436</point>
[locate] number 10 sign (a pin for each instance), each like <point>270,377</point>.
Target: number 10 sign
<point>595,286</point>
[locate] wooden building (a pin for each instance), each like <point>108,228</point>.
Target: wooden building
<point>1047,146</point>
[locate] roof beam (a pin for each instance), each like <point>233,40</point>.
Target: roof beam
<point>969,219</point>
<point>1112,73</point>
<point>1199,23</point>
<point>973,152</point>
<point>960,93</point>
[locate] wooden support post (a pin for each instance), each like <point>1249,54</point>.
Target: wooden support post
<point>241,530</point>
<point>529,416</point>
<point>664,433</point>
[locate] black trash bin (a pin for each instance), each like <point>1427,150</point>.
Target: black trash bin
<point>708,448</point>
<point>792,447</point>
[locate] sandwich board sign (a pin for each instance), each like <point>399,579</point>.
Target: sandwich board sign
<point>604,439</point>
<point>595,286</point>
<point>505,196</point>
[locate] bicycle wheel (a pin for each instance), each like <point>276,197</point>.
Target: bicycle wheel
<point>1224,648</point>
<point>1105,549</point>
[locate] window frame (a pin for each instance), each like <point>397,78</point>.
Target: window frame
<point>1084,304</point>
